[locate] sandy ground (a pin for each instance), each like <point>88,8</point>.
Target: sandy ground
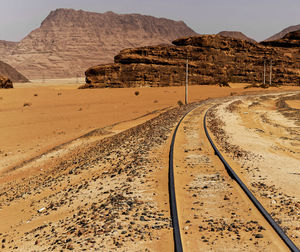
<point>39,116</point>
<point>261,139</point>
<point>106,190</point>
<point>294,104</point>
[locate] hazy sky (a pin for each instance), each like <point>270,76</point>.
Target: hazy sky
<point>258,19</point>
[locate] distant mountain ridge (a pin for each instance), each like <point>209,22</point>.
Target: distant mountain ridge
<point>282,33</point>
<point>69,41</point>
<point>6,47</point>
<point>290,40</point>
<point>236,35</point>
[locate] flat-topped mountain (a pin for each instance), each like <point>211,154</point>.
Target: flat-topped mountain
<point>69,41</point>
<point>236,35</point>
<point>285,31</point>
<point>11,73</point>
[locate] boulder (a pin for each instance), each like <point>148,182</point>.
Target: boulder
<point>5,82</point>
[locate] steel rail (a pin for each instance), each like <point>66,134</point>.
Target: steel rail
<point>172,196</point>
<point>257,204</point>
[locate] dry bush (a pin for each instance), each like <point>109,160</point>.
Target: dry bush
<point>223,81</point>
<point>180,103</point>
<point>136,93</point>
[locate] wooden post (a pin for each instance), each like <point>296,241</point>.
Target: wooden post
<point>264,71</point>
<point>186,81</point>
<point>270,72</point>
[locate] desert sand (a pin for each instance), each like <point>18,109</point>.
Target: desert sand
<point>260,138</point>
<point>39,116</point>
<point>87,169</point>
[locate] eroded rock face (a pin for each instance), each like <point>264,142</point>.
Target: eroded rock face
<point>11,73</point>
<point>6,47</point>
<point>5,82</point>
<point>70,41</point>
<point>212,59</point>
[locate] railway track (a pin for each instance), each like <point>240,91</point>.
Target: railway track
<point>178,243</point>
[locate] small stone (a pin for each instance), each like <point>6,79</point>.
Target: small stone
<point>259,236</point>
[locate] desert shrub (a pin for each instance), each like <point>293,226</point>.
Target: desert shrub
<point>180,103</point>
<point>35,95</point>
<point>136,93</point>
<point>223,82</point>
<point>155,101</point>
<point>27,104</point>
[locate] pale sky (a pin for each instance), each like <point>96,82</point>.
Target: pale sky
<point>257,19</point>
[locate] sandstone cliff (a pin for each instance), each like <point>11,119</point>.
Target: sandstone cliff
<point>236,35</point>
<point>69,41</point>
<point>11,73</point>
<point>212,59</point>
<point>282,33</point>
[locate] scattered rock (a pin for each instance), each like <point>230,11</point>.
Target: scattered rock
<point>259,236</point>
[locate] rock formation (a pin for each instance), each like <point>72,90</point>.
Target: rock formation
<point>236,35</point>
<point>6,47</point>
<point>11,73</point>
<point>212,59</point>
<point>290,40</point>
<point>5,82</point>
<point>285,31</point>
<point>69,41</point>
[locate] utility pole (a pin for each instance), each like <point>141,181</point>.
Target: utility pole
<point>264,71</point>
<point>270,72</point>
<point>186,81</point>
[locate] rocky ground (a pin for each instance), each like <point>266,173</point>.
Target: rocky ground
<point>260,136</point>
<point>98,197</point>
